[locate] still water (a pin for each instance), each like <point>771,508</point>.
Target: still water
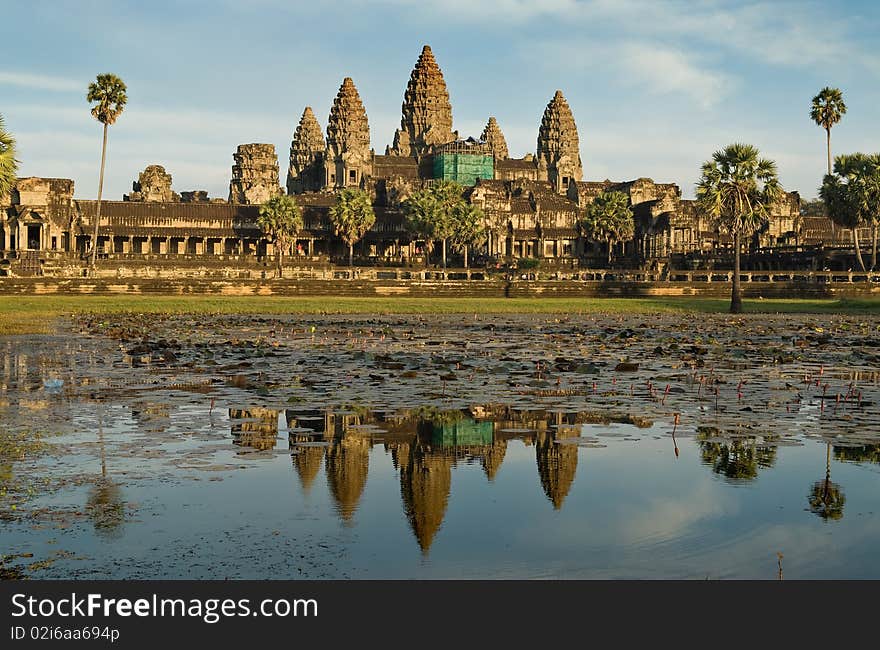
<point>168,466</point>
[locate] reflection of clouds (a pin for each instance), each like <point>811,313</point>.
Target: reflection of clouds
<point>809,552</point>
<point>664,518</point>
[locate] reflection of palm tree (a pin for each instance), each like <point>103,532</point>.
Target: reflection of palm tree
<point>557,465</point>
<point>105,505</point>
<point>737,459</point>
<point>826,498</point>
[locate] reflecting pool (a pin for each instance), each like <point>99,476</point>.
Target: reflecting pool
<point>443,447</point>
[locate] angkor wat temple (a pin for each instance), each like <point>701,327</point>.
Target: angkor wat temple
<point>532,204</point>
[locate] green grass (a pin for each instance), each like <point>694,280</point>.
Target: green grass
<point>36,314</point>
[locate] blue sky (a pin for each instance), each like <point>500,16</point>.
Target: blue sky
<point>655,86</point>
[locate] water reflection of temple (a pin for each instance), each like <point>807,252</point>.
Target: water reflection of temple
<point>256,428</point>
<point>425,484</point>
<point>425,446</point>
<point>347,463</point>
<point>557,463</point>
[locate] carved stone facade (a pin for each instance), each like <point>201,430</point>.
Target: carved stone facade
<point>493,137</point>
<point>533,205</point>
<point>348,159</point>
<point>305,173</point>
<point>41,217</point>
<point>558,144</point>
<point>427,113</point>
<point>194,196</point>
<point>254,174</point>
<point>152,186</point>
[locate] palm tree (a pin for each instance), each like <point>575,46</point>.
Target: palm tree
<point>8,163</point>
<point>280,219</point>
<point>108,91</point>
<point>610,219</point>
<point>872,181</point>
<point>449,199</point>
<point>420,208</point>
<point>431,212</point>
<point>826,111</point>
<point>468,227</point>
<point>736,190</point>
<point>826,498</point>
<point>352,216</point>
<point>851,195</point>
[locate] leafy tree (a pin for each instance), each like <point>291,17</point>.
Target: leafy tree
<point>108,93</point>
<point>863,454</point>
<point>8,163</point>
<point>737,189</point>
<point>610,219</point>
<point>826,498</point>
<point>421,212</point>
<point>469,227</point>
<point>280,219</point>
<point>852,196</point>
<point>352,216</point>
<point>436,213</point>
<point>872,181</point>
<point>827,110</point>
<point>737,459</point>
<point>813,208</point>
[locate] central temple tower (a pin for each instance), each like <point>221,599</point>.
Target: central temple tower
<point>559,155</point>
<point>427,113</point>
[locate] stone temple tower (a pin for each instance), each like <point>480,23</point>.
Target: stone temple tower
<point>427,113</point>
<point>493,137</point>
<point>306,171</point>
<point>254,174</point>
<point>558,146</point>
<point>347,158</point>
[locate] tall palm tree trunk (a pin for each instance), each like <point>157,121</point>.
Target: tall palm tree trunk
<point>466,255</point>
<point>351,254</point>
<point>736,291</point>
<point>609,253</point>
<point>858,247</point>
<point>828,146</point>
<point>280,259</point>
<point>98,209</point>
<point>874,246</point>
<point>444,254</point>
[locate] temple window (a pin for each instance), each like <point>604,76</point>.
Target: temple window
<point>565,181</point>
<point>352,176</point>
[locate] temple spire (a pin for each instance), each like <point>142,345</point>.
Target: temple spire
<point>558,145</point>
<point>306,155</point>
<point>493,136</point>
<point>426,112</point>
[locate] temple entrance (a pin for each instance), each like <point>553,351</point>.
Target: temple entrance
<point>33,236</point>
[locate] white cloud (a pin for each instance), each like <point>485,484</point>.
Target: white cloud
<point>666,71</point>
<point>41,82</point>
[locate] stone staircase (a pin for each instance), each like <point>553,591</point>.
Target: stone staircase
<point>26,264</point>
